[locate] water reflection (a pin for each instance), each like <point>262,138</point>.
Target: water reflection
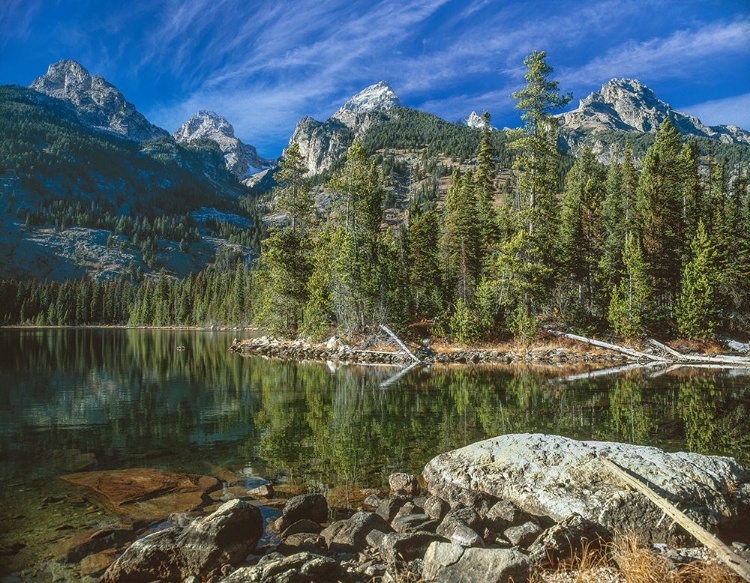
<point>123,398</point>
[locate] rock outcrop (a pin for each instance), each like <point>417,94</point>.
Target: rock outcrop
<point>201,549</point>
<point>323,143</point>
<point>628,106</point>
<point>242,160</point>
<point>553,476</point>
<point>98,103</point>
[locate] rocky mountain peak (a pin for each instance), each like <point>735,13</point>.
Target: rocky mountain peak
<point>475,121</point>
<point>65,79</point>
<point>204,124</point>
<point>375,98</point>
<point>628,105</point>
<point>241,159</point>
<point>98,104</point>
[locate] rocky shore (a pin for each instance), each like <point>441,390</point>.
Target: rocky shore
<point>336,350</point>
<point>512,508</point>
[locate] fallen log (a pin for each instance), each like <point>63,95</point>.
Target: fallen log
<point>401,344</point>
<point>702,359</point>
<point>725,555</point>
<point>607,345</point>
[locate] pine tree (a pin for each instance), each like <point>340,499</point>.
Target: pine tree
<point>696,308</point>
<point>660,203</point>
<point>425,273</point>
<point>581,235</point>
<point>536,169</point>
<point>293,195</point>
<point>630,302</point>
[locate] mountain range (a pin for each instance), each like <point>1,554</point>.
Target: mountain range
<point>73,136</point>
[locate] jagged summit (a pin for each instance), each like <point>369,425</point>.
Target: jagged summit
<point>628,105</point>
<point>242,160</point>
<point>377,97</point>
<point>98,103</point>
<point>204,124</point>
<point>475,121</point>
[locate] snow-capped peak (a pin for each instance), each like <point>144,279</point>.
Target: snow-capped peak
<point>475,121</point>
<point>204,124</point>
<point>377,97</point>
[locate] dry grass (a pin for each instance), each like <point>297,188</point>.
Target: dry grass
<point>626,560</point>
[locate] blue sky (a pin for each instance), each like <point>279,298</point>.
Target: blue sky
<point>265,64</point>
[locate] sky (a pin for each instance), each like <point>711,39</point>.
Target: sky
<point>265,64</point>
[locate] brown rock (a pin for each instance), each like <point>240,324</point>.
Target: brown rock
<point>145,494</point>
<point>201,549</point>
<point>94,565</point>
<point>90,542</point>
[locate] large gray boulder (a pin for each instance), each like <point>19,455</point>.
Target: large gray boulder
<point>449,563</point>
<point>199,549</point>
<point>549,475</point>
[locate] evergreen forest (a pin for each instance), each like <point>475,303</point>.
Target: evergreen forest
<point>523,237</point>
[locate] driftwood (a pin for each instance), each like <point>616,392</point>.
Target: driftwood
<point>702,358</point>
<point>730,559</point>
<point>607,345</point>
<point>674,357</point>
<point>401,344</point>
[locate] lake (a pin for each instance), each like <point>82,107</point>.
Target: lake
<point>77,399</point>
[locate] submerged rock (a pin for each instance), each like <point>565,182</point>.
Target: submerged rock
<point>549,475</point>
<point>200,549</point>
<point>145,494</point>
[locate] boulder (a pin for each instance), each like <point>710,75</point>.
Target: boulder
<point>402,483</point>
<point>200,549</point>
<point>548,475</point>
<point>522,535</point>
<point>350,536</point>
<point>145,494</point>
<point>398,546</point>
<point>436,508</point>
<point>303,525</point>
<point>276,568</point>
<point>74,549</point>
<point>305,506</point>
<point>449,563</point>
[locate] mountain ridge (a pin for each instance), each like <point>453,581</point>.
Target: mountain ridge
<point>242,159</point>
<point>626,105</point>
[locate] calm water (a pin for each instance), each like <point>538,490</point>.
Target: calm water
<point>100,399</point>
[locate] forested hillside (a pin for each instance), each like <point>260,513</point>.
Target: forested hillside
<point>523,235</point>
<point>57,175</point>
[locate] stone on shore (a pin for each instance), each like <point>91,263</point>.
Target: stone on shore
<point>145,494</point>
<point>312,507</point>
<point>553,476</point>
<point>450,563</point>
<point>201,549</point>
<point>276,568</point>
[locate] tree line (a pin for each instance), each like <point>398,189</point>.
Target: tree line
<point>602,248</point>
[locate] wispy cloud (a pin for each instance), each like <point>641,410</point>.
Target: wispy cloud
<point>729,111</point>
<point>16,17</point>
<point>677,55</point>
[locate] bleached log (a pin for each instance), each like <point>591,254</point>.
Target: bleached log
<point>401,344</point>
<point>730,559</point>
<point>607,345</point>
<point>702,358</point>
